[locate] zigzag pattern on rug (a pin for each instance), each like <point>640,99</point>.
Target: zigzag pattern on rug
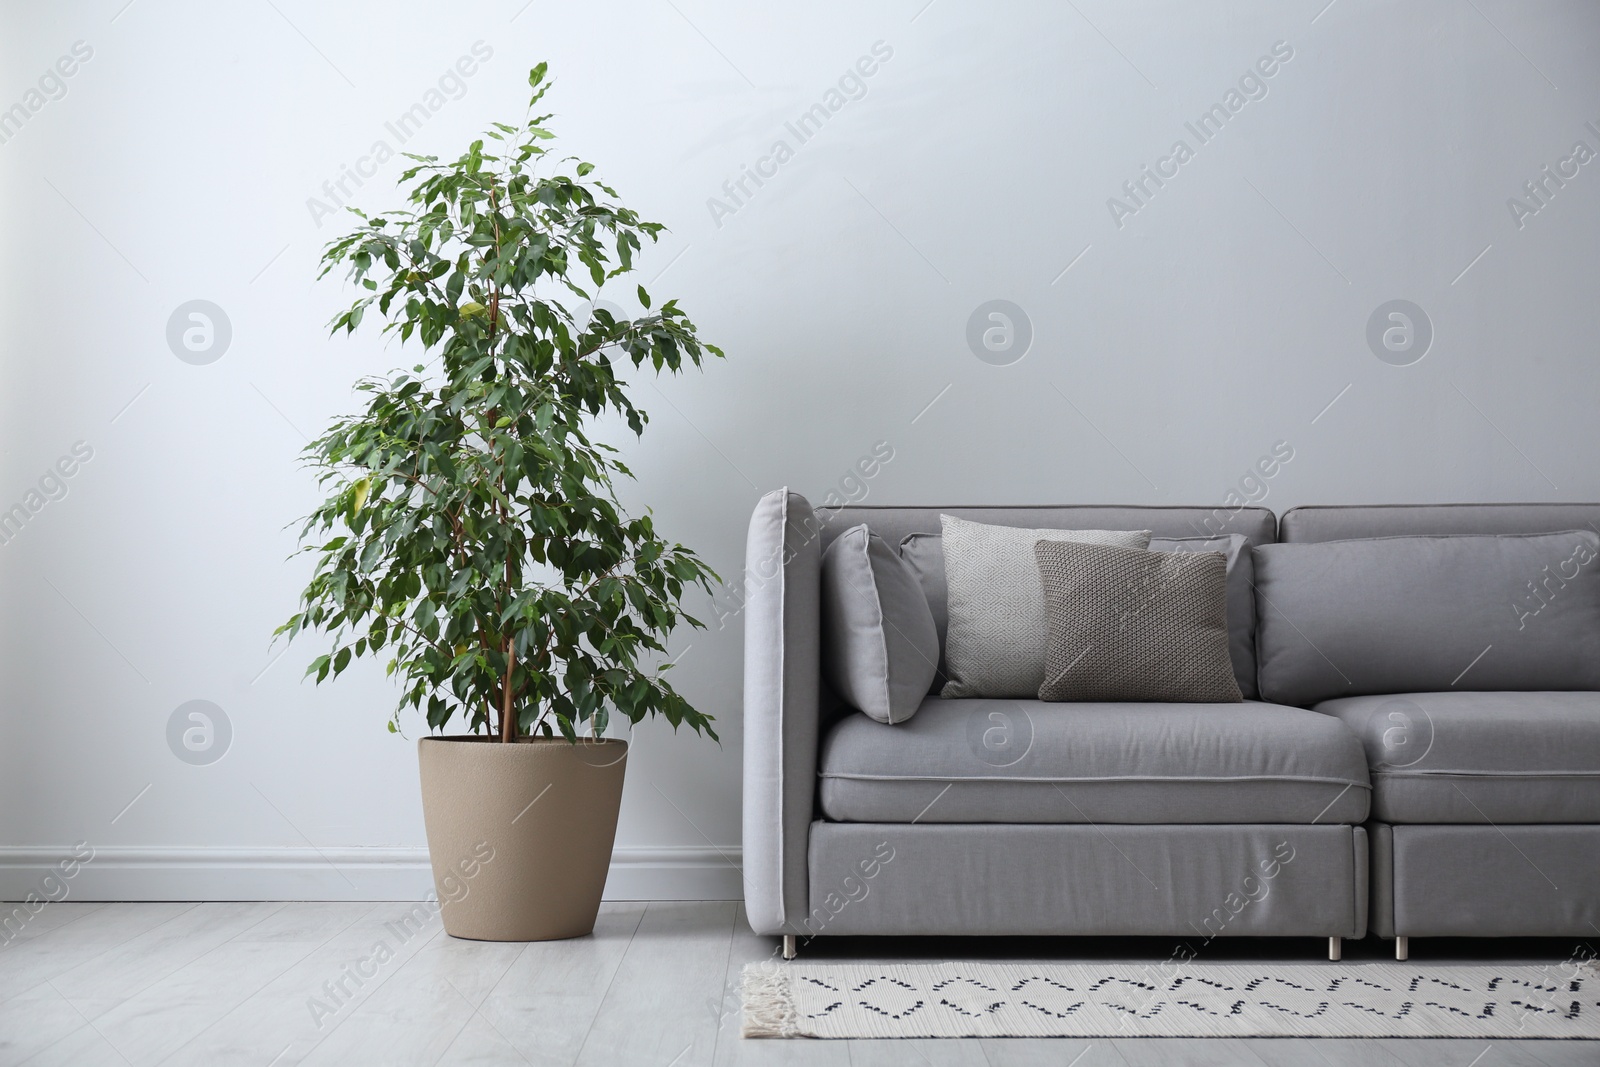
<point>1558,1000</point>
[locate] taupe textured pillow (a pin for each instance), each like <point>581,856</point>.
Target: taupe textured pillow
<point>879,648</point>
<point>1131,625</point>
<point>995,637</point>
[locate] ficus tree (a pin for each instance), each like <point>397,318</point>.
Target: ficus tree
<point>472,534</point>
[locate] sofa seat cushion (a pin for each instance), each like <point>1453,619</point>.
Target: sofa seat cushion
<point>1481,758</point>
<point>1023,761</point>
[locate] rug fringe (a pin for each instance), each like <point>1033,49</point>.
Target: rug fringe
<point>768,1002</point>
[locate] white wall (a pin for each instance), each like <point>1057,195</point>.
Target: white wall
<point>1223,315</point>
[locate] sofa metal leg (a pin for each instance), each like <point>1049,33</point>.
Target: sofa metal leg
<point>1402,948</point>
<point>791,946</point>
<point>1335,948</point>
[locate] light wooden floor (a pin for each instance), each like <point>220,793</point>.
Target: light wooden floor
<point>222,984</point>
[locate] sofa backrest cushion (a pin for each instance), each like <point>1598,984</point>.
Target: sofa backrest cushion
<point>893,523</point>
<point>1428,614</point>
<point>1257,526</point>
<point>1346,521</point>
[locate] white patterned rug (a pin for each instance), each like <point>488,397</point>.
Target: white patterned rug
<point>1559,1000</point>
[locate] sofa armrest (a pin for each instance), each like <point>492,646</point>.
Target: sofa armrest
<point>782,679</point>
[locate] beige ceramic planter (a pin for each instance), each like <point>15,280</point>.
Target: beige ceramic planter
<point>520,835</point>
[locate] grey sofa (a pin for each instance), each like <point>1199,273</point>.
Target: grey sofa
<point>995,817</point>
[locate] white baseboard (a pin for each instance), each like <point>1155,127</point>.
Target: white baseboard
<point>172,873</point>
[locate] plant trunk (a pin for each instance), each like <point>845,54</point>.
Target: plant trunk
<point>508,724</point>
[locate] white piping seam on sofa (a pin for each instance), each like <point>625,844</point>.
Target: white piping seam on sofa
<point>1116,778</point>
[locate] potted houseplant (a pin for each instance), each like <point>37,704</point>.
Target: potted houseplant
<point>472,537</point>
